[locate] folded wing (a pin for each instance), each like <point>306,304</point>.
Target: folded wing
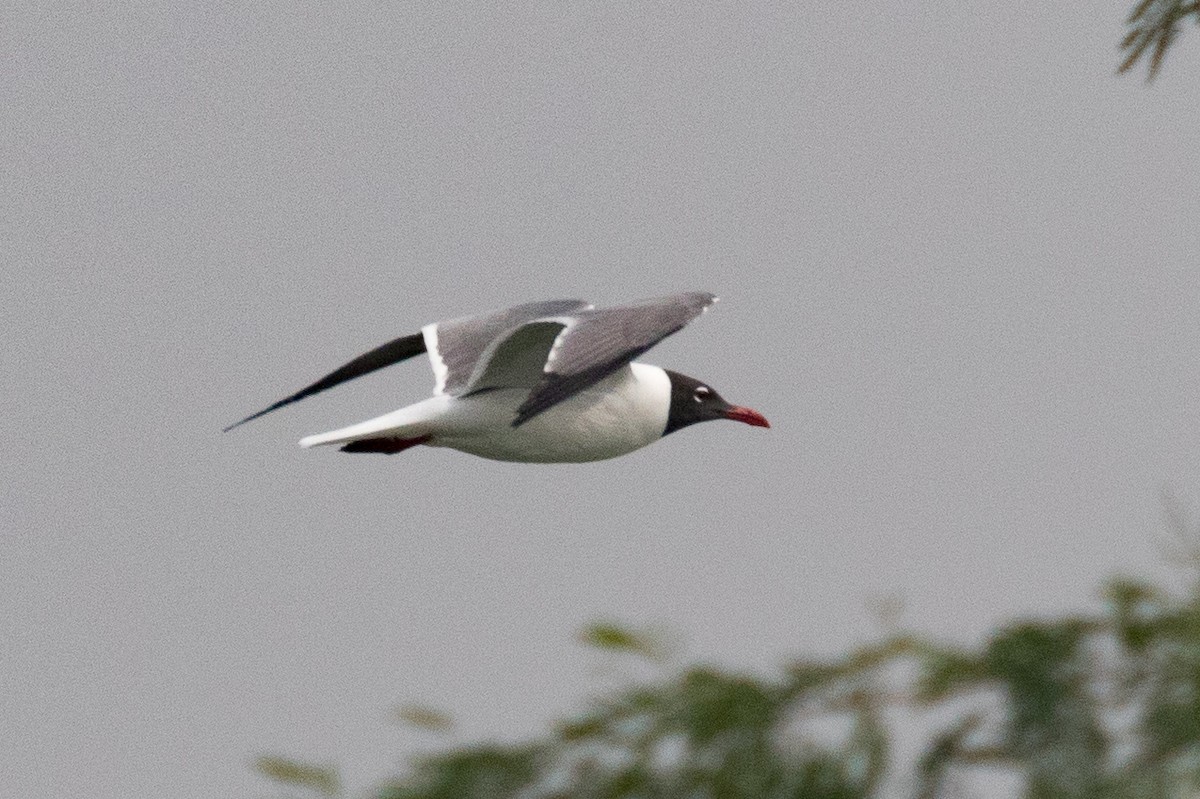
<point>458,347</point>
<point>594,344</point>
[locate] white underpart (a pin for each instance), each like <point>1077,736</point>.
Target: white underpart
<point>440,371</point>
<point>624,412</point>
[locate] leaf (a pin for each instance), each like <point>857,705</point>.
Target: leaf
<point>425,718</point>
<point>616,638</point>
<point>476,772</point>
<point>947,671</point>
<point>1135,610</point>
<point>711,704</point>
<point>291,772</point>
<point>583,729</point>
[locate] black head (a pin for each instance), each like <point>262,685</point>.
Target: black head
<point>693,401</point>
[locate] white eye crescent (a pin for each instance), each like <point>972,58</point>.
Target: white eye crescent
<point>701,393</point>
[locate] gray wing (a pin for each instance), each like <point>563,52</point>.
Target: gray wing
<point>459,347</point>
<point>594,344</point>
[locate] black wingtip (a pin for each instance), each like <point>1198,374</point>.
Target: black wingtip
<point>242,422</point>
<point>385,355</point>
<point>252,417</point>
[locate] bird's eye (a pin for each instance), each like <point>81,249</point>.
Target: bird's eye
<point>701,394</point>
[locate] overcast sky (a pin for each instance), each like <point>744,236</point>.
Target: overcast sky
<point>958,266</point>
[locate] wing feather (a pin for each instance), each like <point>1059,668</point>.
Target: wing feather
<point>600,342</point>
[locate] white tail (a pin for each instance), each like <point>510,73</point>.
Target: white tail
<point>410,422</point>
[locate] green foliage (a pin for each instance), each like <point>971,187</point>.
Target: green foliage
<point>1153,26</point>
<point>478,772</point>
<point>1091,707</point>
<point>1104,706</point>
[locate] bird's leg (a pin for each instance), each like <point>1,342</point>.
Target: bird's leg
<point>385,446</point>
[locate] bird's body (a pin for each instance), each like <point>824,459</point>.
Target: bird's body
<point>623,412</point>
<point>550,382</point>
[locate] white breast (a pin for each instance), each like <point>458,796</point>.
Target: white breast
<point>623,412</point>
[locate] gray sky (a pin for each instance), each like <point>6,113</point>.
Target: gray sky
<point>957,259</point>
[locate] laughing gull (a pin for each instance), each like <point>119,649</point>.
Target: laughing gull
<point>545,382</point>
